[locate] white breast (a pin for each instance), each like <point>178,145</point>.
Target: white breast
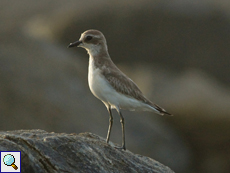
<point>97,83</point>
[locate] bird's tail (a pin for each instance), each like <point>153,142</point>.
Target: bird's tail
<point>160,110</point>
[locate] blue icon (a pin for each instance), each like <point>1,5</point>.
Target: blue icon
<point>9,160</point>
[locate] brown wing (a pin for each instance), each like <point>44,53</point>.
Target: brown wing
<point>122,84</point>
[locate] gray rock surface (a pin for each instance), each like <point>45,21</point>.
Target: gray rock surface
<point>59,152</point>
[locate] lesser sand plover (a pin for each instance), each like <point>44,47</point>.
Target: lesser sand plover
<point>109,84</point>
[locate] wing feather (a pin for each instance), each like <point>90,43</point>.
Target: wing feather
<point>124,85</point>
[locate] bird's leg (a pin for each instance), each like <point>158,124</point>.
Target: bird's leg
<point>123,130</point>
<point>110,124</point>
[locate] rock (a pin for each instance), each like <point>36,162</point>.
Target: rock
<point>42,151</point>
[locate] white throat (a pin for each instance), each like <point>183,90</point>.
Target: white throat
<point>93,50</point>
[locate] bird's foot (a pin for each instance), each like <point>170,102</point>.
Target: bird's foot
<point>120,148</point>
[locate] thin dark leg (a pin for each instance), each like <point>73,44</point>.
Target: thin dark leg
<point>110,124</point>
<point>123,130</point>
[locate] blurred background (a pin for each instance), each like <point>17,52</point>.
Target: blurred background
<point>176,51</point>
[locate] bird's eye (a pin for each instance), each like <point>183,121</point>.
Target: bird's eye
<point>89,38</point>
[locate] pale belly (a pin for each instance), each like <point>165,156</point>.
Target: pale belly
<point>101,89</point>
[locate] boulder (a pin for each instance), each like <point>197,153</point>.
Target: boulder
<point>45,152</point>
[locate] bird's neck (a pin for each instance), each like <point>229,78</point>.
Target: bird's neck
<point>97,50</point>
<point>100,59</point>
<point>99,55</point>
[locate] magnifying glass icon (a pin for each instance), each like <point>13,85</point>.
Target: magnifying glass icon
<point>9,160</point>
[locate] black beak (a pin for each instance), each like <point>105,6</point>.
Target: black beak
<point>76,43</point>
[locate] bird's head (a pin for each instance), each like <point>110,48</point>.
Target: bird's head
<point>91,40</point>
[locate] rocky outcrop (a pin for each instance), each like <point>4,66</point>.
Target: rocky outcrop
<point>59,152</point>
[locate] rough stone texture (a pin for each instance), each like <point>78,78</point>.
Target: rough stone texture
<point>59,152</point>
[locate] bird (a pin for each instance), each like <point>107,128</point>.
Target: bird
<point>109,84</point>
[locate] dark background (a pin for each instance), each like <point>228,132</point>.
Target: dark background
<point>176,51</point>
